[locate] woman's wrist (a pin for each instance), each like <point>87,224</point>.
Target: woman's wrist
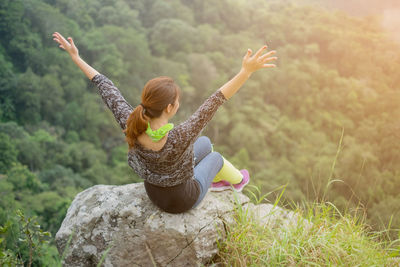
<point>245,72</point>
<point>233,85</point>
<point>86,68</point>
<point>75,57</point>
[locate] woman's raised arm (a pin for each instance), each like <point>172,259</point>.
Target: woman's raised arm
<point>74,53</point>
<point>249,65</point>
<point>190,129</point>
<point>110,94</point>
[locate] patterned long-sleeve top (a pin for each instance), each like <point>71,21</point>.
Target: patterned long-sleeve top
<point>174,163</point>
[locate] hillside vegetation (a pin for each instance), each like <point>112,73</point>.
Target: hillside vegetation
<point>325,121</point>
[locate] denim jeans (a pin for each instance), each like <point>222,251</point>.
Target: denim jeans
<point>207,164</point>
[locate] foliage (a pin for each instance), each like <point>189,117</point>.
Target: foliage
<point>31,239</point>
<point>322,236</point>
<point>336,82</point>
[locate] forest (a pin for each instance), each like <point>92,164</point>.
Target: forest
<point>325,122</point>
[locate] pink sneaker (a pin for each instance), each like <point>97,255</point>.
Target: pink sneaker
<point>246,179</point>
<point>220,186</point>
<point>224,185</point>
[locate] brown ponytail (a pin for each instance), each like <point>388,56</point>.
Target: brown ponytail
<point>156,95</point>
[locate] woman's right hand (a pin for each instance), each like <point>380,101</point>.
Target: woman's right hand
<point>64,44</point>
<point>252,63</point>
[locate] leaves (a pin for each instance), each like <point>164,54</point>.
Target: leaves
<point>334,72</point>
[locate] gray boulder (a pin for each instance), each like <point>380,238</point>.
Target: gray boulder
<point>122,222</point>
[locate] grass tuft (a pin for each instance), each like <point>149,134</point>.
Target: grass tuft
<point>323,237</point>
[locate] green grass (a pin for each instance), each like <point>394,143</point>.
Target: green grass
<point>331,239</point>
<point>323,236</point>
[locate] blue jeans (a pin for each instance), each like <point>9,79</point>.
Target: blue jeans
<point>207,165</point>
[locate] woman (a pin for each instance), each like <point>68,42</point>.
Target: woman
<point>178,166</point>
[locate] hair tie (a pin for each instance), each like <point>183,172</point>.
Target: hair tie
<point>144,108</point>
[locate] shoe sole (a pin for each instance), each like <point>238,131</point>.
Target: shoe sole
<point>221,188</point>
<point>214,189</point>
<point>240,190</point>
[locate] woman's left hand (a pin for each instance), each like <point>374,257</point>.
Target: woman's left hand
<point>67,46</point>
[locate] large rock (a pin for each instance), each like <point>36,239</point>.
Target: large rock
<point>123,220</point>
<point>138,232</point>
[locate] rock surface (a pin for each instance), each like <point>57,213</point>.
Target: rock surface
<point>123,220</point>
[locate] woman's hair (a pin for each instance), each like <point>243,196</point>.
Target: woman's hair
<point>156,95</point>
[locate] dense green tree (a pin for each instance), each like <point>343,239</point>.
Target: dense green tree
<point>7,82</point>
<point>170,36</point>
<point>337,74</point>
<point>54,101</point>
<point>27,101</point>
<point>386,214</point>
<point>8,153</point>
<point>59,178</point>
<point>23,181</point>
<point>82,155</point>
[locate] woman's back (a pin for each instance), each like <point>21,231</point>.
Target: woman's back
<point>170,161</point>
<point>147,143</point>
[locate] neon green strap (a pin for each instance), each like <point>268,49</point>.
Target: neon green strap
<point>158,134</point>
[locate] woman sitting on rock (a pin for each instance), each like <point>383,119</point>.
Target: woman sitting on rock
<point>178,166</point>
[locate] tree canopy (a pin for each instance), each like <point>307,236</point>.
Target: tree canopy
<point>326,117</point>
